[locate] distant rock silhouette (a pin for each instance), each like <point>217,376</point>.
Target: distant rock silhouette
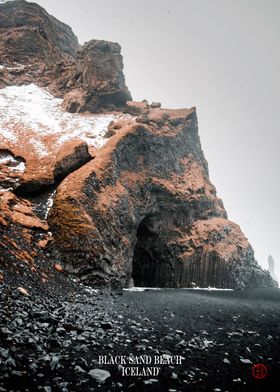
<point>271,264</point>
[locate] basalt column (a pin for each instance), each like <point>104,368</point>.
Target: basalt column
<point>145,208</point>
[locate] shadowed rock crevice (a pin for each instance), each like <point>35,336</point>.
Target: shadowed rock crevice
<point>11,169</point>
<point>150,265</point>
<point>158,262</point>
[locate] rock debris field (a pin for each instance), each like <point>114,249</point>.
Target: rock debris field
<point>52,342</point>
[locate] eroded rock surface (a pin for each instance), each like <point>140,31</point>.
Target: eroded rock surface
<point>144,207</point>
<point>136,201</point>
<point>35,129</point>
<point>27,30</point>
<point>11,169</point>
<point>37,48</point>
<point>99,78</point>
<point>23,235</point>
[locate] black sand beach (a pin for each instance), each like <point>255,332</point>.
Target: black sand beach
<point>51,342</point>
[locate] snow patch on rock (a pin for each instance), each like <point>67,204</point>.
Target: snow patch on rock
<point>11,169</point>
<point>12,163</point>
<point>49,203</point>
<point>31,112</point>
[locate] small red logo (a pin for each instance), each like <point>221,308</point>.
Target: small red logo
<point>259,371</point>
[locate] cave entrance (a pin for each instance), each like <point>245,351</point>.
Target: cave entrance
<point>150,266</point>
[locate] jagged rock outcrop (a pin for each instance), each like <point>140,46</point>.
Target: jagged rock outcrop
<point>99,78</point>
<point>23,235</point>
<point>37,48</point>
<point>136,108</point>
<point>144,207</point>
<point>29,33</point>
<point>138,202</point>
<point>46,142</point>
<point>71,156</point>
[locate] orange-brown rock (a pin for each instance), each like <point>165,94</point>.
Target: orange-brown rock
<point>43,243</point>
<point>145,208</point>
<point>19,211</point>
<point>136,108</point>
<point>20,231</point>
<point>58,268</point>
<point>37,48</point>
<point>70,157</point>
<point>44,172</point>
<point>74,101</point>
<point>27,31</point>
<point>99,77</point>
<point>23,291</point>
<point>34,46</point>
<point>40,143</point>
<point>136,200</point>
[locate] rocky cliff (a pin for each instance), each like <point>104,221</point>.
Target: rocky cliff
<point>36,47</point>
<point>107,188</point>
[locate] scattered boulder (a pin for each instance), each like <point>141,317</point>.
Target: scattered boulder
<point>99,375</point>
<point>155,105</point>
<point>74,101</point>
<point>136,108</point>
<point>23,291</point>
<point>113,127</point>
<point>71,156</point>
<point>246,361</point>
<point>106,325</point>
<point>58,268</point>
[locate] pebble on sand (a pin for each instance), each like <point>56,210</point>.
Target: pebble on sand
<point>58,268</point>
<point>99,375</point>
<point>23,291</point>
<point>247,361</point>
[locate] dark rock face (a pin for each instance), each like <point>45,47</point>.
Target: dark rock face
<point>138,205</point>
<point>77,156</point>
<point>144,207</point>
<point>36,47</point>
<point>99,75</point>
<point>28,31</point>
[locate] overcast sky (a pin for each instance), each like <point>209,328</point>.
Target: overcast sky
<point>221,56</point>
